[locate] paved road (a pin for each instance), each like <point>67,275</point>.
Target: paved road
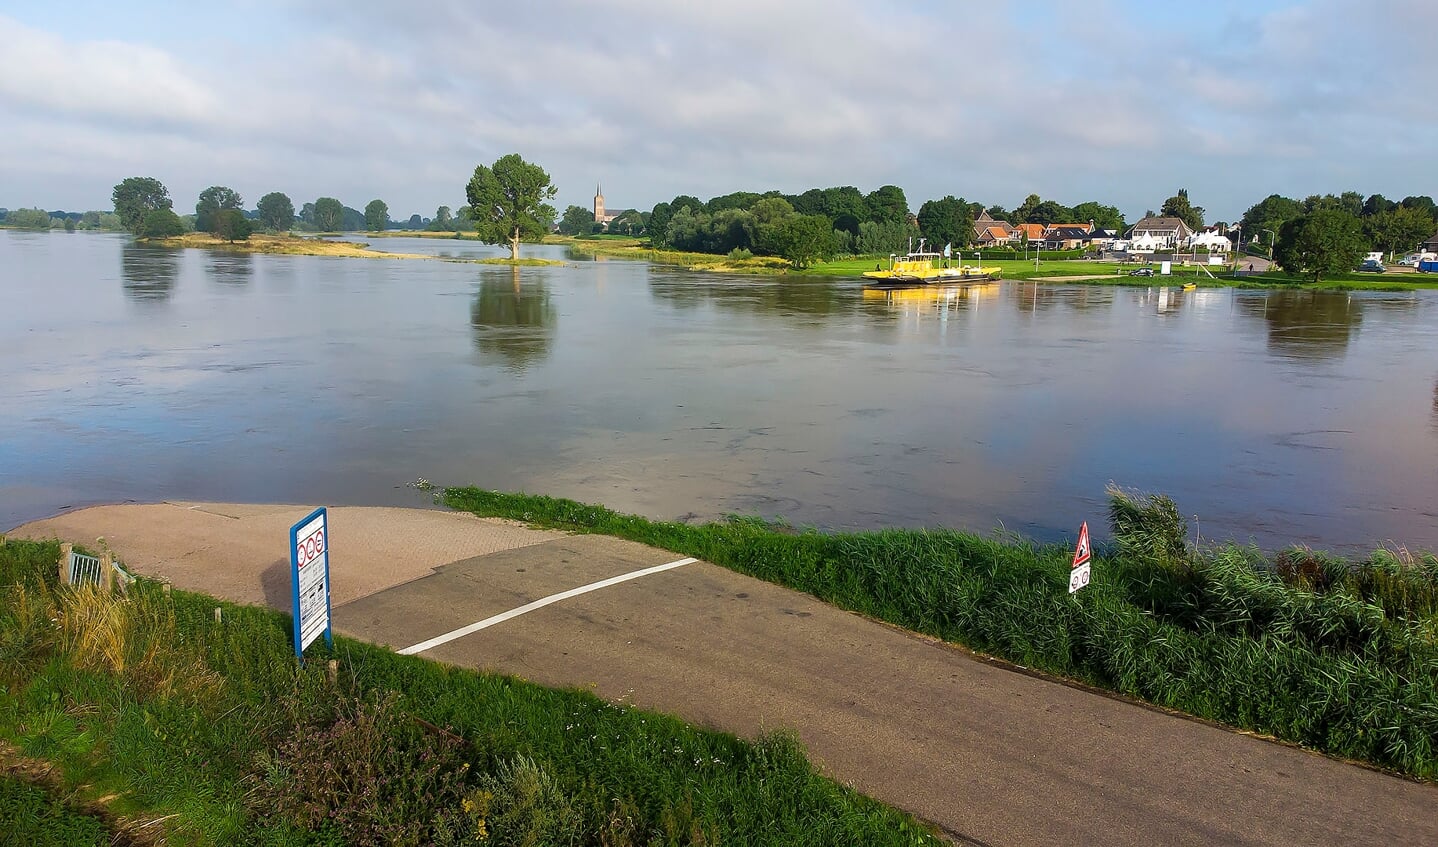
<point>990,755</point>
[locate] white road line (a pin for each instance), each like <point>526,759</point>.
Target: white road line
<point>539,604</point>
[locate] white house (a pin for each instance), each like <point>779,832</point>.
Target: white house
<point>1154,234</point>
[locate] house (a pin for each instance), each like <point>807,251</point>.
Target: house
<point>1102,239</point>
<point>1431,245</point>
<point>1066,236</point>
<point>1030,233</point>
<point>1151,235</point>
<point>989,232</point>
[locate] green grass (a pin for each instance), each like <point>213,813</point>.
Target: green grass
<point>30,816</point>
<point>149,698</point>
<point>1336,656</point>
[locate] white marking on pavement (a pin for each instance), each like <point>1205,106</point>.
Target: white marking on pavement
<point>539,604</point>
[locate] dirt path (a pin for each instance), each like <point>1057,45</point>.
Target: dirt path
<point>991,755</point>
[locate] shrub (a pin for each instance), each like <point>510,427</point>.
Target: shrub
<point>369,776</point>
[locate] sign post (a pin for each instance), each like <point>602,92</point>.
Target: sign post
<point>1079,575</point>
<point>310,572</point>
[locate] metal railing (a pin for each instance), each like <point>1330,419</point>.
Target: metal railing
<point>77,569</point>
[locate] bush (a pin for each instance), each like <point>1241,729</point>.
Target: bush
<point>739,254</point>
<point>161,223</point>
<point>369,775</point>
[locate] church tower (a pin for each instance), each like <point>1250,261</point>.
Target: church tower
<point>598,204</point>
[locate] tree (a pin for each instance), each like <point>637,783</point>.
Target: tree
<point>29,219</point>
<point>1026,208</point>
<point>1327,240</point>
<point>161,223</point>
<point>1179,207</point>
<point>946,221</point>
<point>998,213</point>
<point>443,220</point>
<point>276,211</point>
<point>1377,204</point>
<point>1049,212</point>
<point>232,225</point>
<point>1269,214</point>
<point>659,224</point>
<point>1103,217</point>
<point>212,200</point>
<point>800,239</point>
<point>376,216</point>
<point>576,220</point>
<point>771,210</point>
<point>508,199</point>
<point>329,213</point>
<point>137,196</point>
<point>1401,228</point>
<point>886,203</point>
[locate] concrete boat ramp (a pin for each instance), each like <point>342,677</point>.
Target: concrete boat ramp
<point>990,755</point>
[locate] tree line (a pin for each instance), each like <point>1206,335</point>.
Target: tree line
<point>144,208</point>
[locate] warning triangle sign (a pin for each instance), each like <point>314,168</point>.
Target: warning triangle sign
<point>1081,552</point>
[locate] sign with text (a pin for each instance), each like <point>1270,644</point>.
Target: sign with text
<point>310,570</point>
<point>1080,573</point>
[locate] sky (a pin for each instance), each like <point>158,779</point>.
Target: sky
<point>1108,100</point>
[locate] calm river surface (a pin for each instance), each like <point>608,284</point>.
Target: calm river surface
<point>133,373</point>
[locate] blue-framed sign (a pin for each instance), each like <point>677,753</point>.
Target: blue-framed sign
<point>310,576</point>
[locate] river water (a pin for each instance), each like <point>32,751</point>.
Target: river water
<point>135,373</point>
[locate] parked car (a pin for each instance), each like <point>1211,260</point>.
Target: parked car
<point>1141,272</point>
<point>1411,260</point>
<point>1372,266</point>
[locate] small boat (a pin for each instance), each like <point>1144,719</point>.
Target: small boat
<point>1190,286</point>
<point>923,268</point>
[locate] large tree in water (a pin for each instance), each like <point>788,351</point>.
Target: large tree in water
<point>509,204</point>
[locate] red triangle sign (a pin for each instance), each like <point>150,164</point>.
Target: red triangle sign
<point>1081,552</point>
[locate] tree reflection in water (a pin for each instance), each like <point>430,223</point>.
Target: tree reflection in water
<point>148,273</point>
<point>1305,324</point>
<point>513,317</point>
<point>231,269</point>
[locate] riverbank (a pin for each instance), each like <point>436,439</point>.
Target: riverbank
<point>1328,654</point>
<point>191,715</point>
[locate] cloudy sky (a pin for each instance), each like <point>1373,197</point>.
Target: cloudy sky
<point>1110,100</point>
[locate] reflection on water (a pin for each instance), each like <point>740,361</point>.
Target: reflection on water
<point>1305,324</point>
<point>1032,298</point>
<point>230,268</point>
<point>513,316</point>
<point>750,295</point>
<point>148,273</point>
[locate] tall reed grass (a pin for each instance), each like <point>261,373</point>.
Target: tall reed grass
<point>1335,655</point>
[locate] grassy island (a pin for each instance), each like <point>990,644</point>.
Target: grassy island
<point>282,244</point>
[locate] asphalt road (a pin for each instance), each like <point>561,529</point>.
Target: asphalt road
<point>990,755</point>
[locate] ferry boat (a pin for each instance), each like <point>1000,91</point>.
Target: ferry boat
<point>927,268</point>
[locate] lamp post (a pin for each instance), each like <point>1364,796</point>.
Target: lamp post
<point>1236,249</point>
<point>1272,237</point>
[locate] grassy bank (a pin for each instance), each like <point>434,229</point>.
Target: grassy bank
<point>1337,656</point>
<point>635,249</point>
<point>203,728</point>
<point>32,816</point>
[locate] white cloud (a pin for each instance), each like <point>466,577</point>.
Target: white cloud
<point>657,98</point>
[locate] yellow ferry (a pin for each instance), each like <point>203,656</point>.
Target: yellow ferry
<point>921,268</point>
